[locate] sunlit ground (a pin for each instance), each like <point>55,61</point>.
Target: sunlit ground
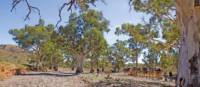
<point>69,79</point>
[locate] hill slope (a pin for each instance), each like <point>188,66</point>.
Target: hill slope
<point>13,54</point>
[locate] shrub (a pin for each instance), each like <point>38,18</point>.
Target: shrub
<point>6,70</point>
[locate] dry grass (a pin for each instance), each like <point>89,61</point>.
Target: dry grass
<point>13,57</point>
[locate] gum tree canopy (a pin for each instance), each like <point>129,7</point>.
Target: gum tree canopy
<point>84,35</point>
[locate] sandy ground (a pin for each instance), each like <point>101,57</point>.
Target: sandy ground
<point>58,79</point>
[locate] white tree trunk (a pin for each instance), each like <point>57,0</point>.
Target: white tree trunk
<point>188,18</point>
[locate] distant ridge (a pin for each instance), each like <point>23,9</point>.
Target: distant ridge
<point>11,48</point>
<point>13,54</point>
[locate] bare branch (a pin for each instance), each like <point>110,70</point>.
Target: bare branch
<point>71,3</point>
<point>15,3</point>
<point>30,8</point>
<point>60,14</point>
<point>38,11</point>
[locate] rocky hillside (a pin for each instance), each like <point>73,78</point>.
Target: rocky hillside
<point>13,54</point>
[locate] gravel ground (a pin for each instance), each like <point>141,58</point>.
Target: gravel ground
<point>44,80</point>
<point>58,79</point>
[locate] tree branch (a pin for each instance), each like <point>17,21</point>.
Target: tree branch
<point>71,3</point>
<point>14,4</point>
<point>30,8</point>
<point>60,14</point>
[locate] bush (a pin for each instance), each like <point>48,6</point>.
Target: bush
<point>6,70</point>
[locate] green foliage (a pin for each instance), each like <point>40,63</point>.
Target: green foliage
<point>83,4</point>
<point>153,6</point>
<point>83,35</point>
<point>140,36</point>
<point>87,39</point>
<point>31,37</point>
<point>162,18</point>
<point>160,25</point>
<point>118,55</point>
<point>169,63</point>
<point>41,42</point>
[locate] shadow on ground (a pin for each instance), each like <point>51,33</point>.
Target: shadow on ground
<point>57,74</point>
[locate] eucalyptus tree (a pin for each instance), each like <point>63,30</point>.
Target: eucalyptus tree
<point>170,49</point>
<point>31,38</point>
<point>104,62</point>
<point>119,54</point>
<point>41,42</point>
<point>153,55</point>
<point>140,36</point>
<point>53,51</point>
<point>83,35</point>
<point>169,61</point>
<point>69,61</point>
<point>99,59</point>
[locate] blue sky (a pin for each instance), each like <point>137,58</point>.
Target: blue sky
<point>117,13</point>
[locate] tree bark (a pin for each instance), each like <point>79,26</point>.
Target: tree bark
<point>102,69</point>
<point>137,62</point>
<point>80,60</point>
<point>51,63</point>
<point>55,64</point>
<point>72,68</point>
<point>188,21</point>
<point>91,66</point>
